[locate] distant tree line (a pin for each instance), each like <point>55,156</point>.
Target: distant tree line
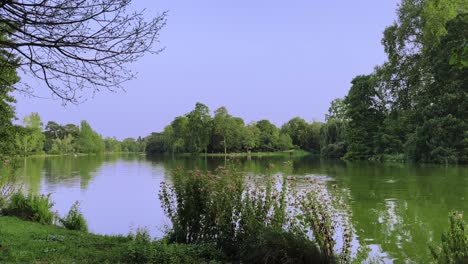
<point>33,138</point>
<point>200,132</point>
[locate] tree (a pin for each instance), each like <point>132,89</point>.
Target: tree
<point>442,108</point>
<point>332,133</point>
<point>296,128</point>
<point>250,137</point>
<point>52,132</point>
<point>227,130</point>
<point>199,128</point>
<point>285,142</point>
<point>269,135</point>
<point>112,145</point>
<point>8,78</point>
<point>73,46</point>
<point>31,139</point>
<point>365,117</point>
<point>88,140</point>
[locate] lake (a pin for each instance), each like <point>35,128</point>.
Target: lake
<point>397,209</point>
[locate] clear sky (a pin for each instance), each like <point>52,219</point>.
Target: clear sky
<point>261,59</point>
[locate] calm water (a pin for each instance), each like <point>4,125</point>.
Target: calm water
<point>397,209</point>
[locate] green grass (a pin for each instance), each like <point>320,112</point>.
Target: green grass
<point>29,242</point>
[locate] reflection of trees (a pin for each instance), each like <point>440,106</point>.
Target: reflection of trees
<point>30,172</point>
<point>403,208</point>
<point>69,169</point>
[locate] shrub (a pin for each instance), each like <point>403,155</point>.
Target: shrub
<point>261,220</point>
<point>140,248</point>
<point>454,247</point>
<point>36,208</point>
<point>273,246</point>
<point>74,219</point>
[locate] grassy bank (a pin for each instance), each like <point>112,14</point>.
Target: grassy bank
<point>29,242</point>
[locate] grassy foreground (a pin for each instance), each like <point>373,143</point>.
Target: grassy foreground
<point>29,242</point>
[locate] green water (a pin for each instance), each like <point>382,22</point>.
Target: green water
<point>397,209</point>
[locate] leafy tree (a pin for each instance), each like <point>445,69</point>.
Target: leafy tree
<point>8,78</point>
<point>269,135</point>
<point>250,137</point>
<point>155,144</point>
<point>52,132</point>
<point>88,140</point>
<point>62,146</point>
<point>442,107</point>
<point>365,117</point>
<point>227,131</point>
<point>199,128</point>
<point>31,139</point>
<point>112,145</point>
<point>297,129</point>
<point>285,142</point>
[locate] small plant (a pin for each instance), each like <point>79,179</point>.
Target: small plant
<point>454,247</point>
<point>36,208</point>
<point>74,219</point>
<point>140,249</point>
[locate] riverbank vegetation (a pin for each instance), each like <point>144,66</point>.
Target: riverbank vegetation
<point>412,108</point>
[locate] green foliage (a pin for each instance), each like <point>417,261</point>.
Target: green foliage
<point>112,145</point>
<point>252,222</point>
<point>36,208</point>
<point>30,139</point>
<point>142,249</point>
<point>74,220</point>
<point>364,114</point>
<point>8,181</point>
<point>454,247</point>
<point>277,246</point>
<point>88,140</point>
<point>199,129</point>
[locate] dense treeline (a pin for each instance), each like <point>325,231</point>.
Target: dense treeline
<point>199,132</point>
<point>414,106</point>
<point>33,138</point>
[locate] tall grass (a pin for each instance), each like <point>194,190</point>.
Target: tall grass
<point>273,219</point>
<point>36,208</point>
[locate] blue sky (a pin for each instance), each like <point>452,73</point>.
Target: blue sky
<point>261,59</point>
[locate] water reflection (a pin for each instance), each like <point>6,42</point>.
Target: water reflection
<point>397,209</point>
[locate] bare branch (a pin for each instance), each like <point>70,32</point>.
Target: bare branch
<point>77,45</point>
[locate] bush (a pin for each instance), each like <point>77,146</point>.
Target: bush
<point>279,246</point>
<point>74,219</point>
<point>454,247</point>
<point>140,248</point>
<point>36,208</point>
<point>254,220</point>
